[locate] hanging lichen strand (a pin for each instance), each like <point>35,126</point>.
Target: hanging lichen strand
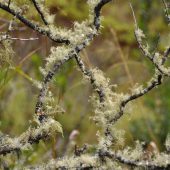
<point>109,106</point>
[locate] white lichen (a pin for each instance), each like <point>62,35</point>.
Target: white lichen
<point>57,54</point>
<point>50,105</point>
<point>157,58</point>
<point>139,34</point>
<point>37,83</point>
<point>167,143</point>
<point>80,32</point>
<point>132,154</point>
<point>92,3</point>
<point>6,52</point>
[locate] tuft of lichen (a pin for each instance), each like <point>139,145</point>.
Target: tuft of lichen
<point>57,54</point>
<point>167,143</point>
<point>6,53</point>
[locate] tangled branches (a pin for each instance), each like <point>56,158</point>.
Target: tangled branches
<point>109,105</point>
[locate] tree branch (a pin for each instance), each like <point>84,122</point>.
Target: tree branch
<point>38,8</point>
<point>44,31</point>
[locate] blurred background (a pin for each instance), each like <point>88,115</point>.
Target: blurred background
<point>114,51</point>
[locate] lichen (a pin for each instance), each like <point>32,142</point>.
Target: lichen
<point>57,54</point>
<point>80,32</point>
<point>139,34</point>
<point>6,53</point>
<point>167,143</point>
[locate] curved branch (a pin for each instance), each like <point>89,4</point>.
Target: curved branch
<point>39,110</point>
<point>38,8</point>
<point>31,136</point>
<point>88,73</point>
<point>154,82</point>
<point>34,26</point>
<point>151,165</point>
<point>166,11</point>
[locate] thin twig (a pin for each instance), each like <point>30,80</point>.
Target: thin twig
<point>38,8</point>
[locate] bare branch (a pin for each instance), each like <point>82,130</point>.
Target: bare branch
<point>38,8</point>
<point>89,75</point>
<point>24,39</point>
